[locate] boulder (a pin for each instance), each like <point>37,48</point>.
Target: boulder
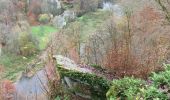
<point>59,21</point>
<point>69,64</point>
<point>69,15</point>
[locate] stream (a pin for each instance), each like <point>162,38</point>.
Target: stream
<point>32,88</point>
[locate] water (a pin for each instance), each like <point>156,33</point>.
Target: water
<point>32,88</point>
<point>58,4</point>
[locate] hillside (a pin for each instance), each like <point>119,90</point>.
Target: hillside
<point>84,49</point>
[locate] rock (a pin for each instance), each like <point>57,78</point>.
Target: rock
<point>62,20</point>
<point>68,82</point>
<point>70,64</point>
<point>59,21</point>
<point>69,15</point>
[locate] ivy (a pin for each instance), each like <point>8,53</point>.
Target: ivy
<point>99,85</point>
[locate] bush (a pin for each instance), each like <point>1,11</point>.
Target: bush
<point>44,18</point>
<point>126,89</point>
<point>153,93</point>
<point>162,78</point>
<point>27,44</point>
<point>6,89</point>
<point>157,88</point>
<point>160,85</point>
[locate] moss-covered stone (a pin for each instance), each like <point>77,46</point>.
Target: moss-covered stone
<point>98,85</point>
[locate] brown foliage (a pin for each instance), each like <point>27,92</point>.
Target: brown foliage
<point>34,10</point>
<point>144,50</point>
<point>7,90</point>
<point>52,75</point>
<point>32,18</point>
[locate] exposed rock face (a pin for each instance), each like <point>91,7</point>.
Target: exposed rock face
<point>69,15</point>
<point>61,20</point>
<point>70,64</point>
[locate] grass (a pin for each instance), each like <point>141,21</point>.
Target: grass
<point>13,65</point>
<point>43,32</point>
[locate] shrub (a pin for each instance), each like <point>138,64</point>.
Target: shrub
<point>163,78</point>
<point>44,18</point>
<point>27,44</point>
<point>7,89</point>
<point>160,85</point>
<point>60,98</point>
<point>135,89</point>
<point>126,88</point>
<point>153,93</point>
<point>166,66</point>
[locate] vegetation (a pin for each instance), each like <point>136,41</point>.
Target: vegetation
<point>126,88</point>
<point>92,80</point>
<point>13,65</point>
<point>123,44</point>
<point>43,32</point>
<point>44,18</point>
<point>130,88</point>
<point>91,21</point>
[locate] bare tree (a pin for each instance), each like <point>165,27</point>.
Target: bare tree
<point>165,6</point>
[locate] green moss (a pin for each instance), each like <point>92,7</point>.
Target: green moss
<point>97,83</point>
<point>96,66</point>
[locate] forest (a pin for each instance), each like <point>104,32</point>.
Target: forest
<point>84,49</point>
